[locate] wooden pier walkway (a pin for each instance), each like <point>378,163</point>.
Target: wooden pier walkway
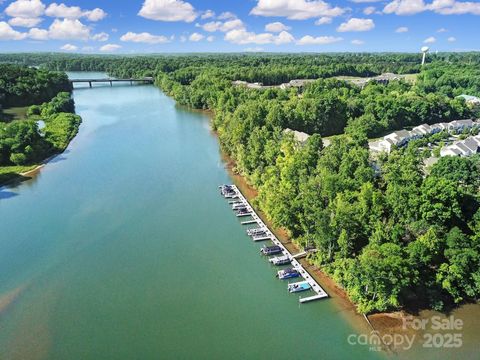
<point>300,255</point>
<point>320,293</point>
<point>145,80</point>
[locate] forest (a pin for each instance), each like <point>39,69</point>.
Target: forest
<point>394,235</point>
<point>22,86</point>
<point>22,142</point>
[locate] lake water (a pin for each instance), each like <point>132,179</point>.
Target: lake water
<point>122,248</point>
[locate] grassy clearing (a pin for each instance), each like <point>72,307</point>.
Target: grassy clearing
<point>10,173</point>
<point>15,113</point>
<point>412,78</point>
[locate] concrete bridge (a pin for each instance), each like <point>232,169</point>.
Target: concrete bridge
<point>145,80</point>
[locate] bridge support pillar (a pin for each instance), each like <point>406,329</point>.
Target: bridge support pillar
<point>90,84</point>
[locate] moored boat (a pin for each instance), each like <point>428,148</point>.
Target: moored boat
<point>288,273</point>
<point>280,260</point>
<point>256,231</point>
<point>228,190</point>
<point>242,212</point>
<point>271,250</point>
<point>238,206</point>
<point>298,286</point>
<point>259,234</point>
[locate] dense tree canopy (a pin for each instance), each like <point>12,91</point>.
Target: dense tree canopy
<point>21,86</point>
<point>23,142</point>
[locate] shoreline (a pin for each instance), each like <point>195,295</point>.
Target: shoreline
<point>335,293</point>
<point>30,174</point>
<point>385,324</point>
<point>361,322</point>
<point>382,325</point>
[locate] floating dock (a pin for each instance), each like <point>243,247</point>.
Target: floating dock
<point>315,287</point>
<point>249,222</point>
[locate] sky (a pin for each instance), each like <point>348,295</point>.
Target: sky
<point>170,26</point>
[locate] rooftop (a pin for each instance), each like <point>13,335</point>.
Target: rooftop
<point>298,135</point>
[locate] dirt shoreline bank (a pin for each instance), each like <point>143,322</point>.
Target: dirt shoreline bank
<point>29,174</point>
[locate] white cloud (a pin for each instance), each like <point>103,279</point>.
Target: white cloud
<point>210,38</point>
<point>296,9</point>
<point>74,12</point>
<point>442,30</point>
<point>242,36</point>
<point>67,29</point>
<point>38,34</point>
<point>64,11</point>
<point>211,26</point>
<point>276,27</point>
<point>96,14</point>
<point>254,49</point>
<point>227,15</point>
<point>320,40</point>
<point>284,38</point>
<point>323,20</point>
<point>429,40</point>
<point>195,37</point>
<point>25,9</point>
<point>356,24</point>
<point>222,26</point>
<point>444,7</point>
<point>365,1</point>
<point>451,39</point>
<point>25,22</point>
<point>357,42</point>
<point>7,33</point>
<point>103,36</point>
<point>404,7</point>
<point>144,37</point>
<point>231,25</point>
<point>452,7</point>
<point>69,47</point>
<point>110,47</point>
<point>402,29</point>
<point>369,10</point>
<point>168,10</point>
<point>208,14</point>
<point>183,38</point>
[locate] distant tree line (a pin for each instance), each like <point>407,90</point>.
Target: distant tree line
<point>22,86</point>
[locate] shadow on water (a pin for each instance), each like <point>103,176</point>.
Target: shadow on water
<point>59,157</point>
<point>7,194</point>
<point>11,180</point>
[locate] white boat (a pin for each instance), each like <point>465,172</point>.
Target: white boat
<point>298,286</point>
<point>256,231</point>
<point>280,260</point>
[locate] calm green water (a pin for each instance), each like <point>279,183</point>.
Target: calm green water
<point>122,248</point>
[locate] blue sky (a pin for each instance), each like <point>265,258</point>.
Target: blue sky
<point>145,26</point>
